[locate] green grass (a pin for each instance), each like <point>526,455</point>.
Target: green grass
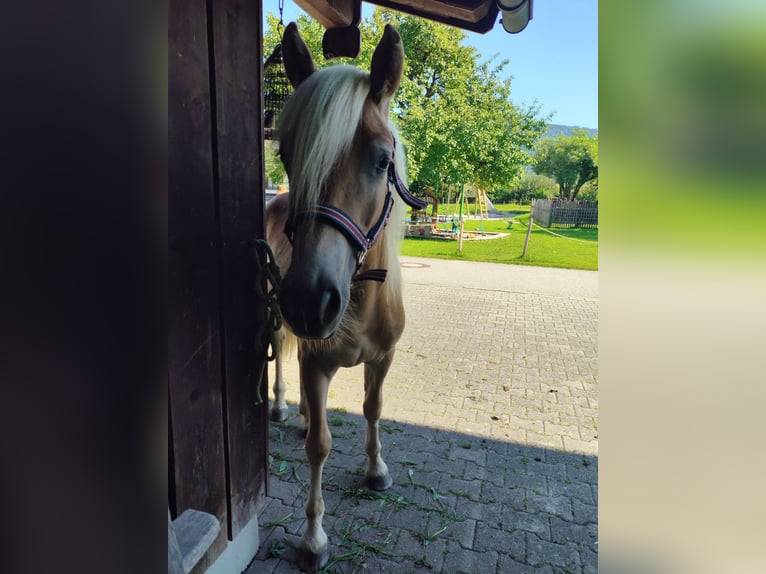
<point>544,250</point>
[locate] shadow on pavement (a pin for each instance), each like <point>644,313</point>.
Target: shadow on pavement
<point>459,503</point>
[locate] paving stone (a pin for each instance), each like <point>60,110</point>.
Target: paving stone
<point>472,415</point>
<point>534,482</point>
<point>563,531</point>
<point>536,523</point>
<point>463,532</point>
<point>552,505</point>
<point>563,556</point>
<point>584,513</point>
<point>416,547</point>
<point>407,518</point>
<point>509,542</point>
<point>580,491</point>
<point>468,489</point>
<point>589,561</point>
<point>490,512</point>
<point>289,517</point>
<point>550,469</point>
<point>516,461</point>
<point>579,473</point>
<point>287,492</point>
<point>508,565</point>
<point>471,451</point>
<point>577,445</point>
<point>515,498</point>
<point>458,560</point>
<point>544,440</point>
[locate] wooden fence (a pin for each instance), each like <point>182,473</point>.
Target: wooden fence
<point>565,213</point>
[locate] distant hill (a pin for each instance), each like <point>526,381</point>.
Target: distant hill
<point>556,129</point>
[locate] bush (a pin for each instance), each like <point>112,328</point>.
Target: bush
<point>502,196</point>
<point>530,186</point>
<point>589,191</point>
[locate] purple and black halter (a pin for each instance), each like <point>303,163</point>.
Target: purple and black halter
<point>359,240</point>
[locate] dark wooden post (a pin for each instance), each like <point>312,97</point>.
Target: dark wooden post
<point>216,344</point>
<point>198,475</point>
<point>238,61</point>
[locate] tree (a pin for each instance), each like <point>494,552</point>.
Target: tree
<point>528,186</point>
<point>275,171</point>
<point>589,191</point>
<point>454,113</point>
<point>572,161</point>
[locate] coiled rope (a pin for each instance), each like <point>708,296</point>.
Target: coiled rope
<point>267,291</point>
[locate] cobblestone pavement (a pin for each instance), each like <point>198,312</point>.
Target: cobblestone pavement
<point>489,429</point>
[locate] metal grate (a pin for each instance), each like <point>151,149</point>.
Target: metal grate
<point>276,88</point>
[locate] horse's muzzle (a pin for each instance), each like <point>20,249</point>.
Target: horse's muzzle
<point>312,309</point>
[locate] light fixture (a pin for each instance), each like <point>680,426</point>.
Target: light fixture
<point>515,15</point>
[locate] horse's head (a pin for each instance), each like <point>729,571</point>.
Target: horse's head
<point>337,146</point>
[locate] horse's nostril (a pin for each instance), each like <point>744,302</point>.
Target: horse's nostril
<point>329,305</point>
<point>312,309</point>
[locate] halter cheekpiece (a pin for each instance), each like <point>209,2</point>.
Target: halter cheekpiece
<point>359,240</point>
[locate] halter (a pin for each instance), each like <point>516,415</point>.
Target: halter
<point>359,240</point>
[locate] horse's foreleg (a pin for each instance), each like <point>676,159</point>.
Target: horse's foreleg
<point>378,477</point>
<point>279,408</point>
<point>314,384</point>
<point>303,408</point>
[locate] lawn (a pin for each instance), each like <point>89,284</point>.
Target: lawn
<point>544,250</point>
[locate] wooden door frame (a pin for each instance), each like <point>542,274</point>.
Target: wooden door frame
<point>216,346</point>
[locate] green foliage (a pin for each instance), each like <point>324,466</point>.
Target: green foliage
<point>572,161</point>
<point>529,186</point>
<point>589,191</point>
<point>454,113</point>
<point>275,171</point>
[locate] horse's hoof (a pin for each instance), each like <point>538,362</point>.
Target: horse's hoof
<point>279,414</point>
<point>379,482</point>
<point>312,562</point>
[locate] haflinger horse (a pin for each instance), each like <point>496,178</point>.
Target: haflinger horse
<point>335,236</point>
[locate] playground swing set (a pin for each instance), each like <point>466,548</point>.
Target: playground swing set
<point>427,226</point>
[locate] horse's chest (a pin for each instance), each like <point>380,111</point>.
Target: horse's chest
<point>363,350</point>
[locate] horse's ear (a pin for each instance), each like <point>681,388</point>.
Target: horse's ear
<point>387,66</point>
<point>298,62</point>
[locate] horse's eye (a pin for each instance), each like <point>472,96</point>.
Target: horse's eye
<point>384,162</point>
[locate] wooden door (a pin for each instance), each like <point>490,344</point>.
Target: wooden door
<point>216,345</point>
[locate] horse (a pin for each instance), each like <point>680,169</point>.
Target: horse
<point>335,237</point>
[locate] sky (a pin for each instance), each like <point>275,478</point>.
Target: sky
<point>553,61</point>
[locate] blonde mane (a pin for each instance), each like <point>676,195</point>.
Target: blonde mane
<point>318,123</point>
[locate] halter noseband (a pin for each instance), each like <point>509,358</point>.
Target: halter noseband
<point>359,240</point>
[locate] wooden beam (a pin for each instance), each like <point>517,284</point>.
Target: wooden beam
<point>469,10</point>
<point>331,13</point>
<point>475,15</point>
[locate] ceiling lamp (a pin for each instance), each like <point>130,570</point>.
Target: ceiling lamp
<point>515,15</point>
